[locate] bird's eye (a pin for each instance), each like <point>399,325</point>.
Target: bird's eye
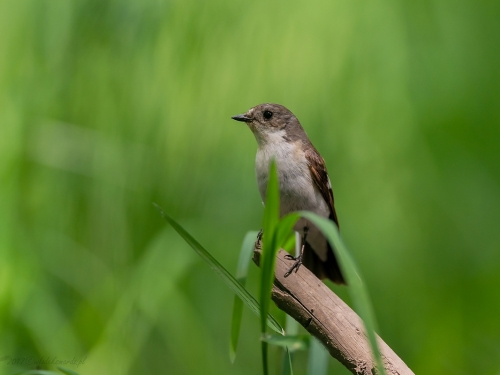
<point>268,115</point>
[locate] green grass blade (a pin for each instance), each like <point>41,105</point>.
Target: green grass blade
<point>357,290</point>
<point>66,371</point>
<point>241,276</point>
<point>284,230</point>
<point>292,329</point>
<point>293,343</point>
<point>291,326</point>
<point>246,253</point>
<point>265,362</point>
<point>317,363</point>
<point>290,244</point>
<point>268,259</point>
<point>287,364</point>
<point>37,372</point>
<point>230,281</point>
<point>235,327</point>
<point>269,249</point>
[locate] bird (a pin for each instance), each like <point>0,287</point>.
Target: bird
<point>303,182</point>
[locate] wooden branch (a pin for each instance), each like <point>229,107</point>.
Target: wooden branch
<point>325,316</point>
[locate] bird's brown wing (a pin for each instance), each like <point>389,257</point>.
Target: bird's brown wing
<point>321,179</point>
<point>330,268</point>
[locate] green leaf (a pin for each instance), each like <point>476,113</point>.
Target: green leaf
<point>292,329</point>
<point>293,343</point>
<point>284,230</point>
<point>246,253</point>
<point>291,326</point>
<point>269,249</point>
<point>269,246</point>
<point>37,372</point>
<point>241,276</point>
<point>230,281</point>
<point>66,371</point>
<point>317,363</point>
<point>357,290</point>
<point>287,365</point>
<point>290,244</point>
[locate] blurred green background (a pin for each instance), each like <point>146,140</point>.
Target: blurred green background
<point>107,106</point>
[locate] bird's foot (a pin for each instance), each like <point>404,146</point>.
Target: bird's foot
<point>295,266</point>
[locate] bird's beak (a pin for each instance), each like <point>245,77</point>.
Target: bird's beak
<point>242,118</point>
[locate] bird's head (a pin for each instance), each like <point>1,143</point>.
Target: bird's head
<point>269,122</point>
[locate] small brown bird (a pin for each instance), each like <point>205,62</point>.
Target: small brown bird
<point>303,182</point>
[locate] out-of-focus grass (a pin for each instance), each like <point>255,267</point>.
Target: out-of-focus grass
<point>106,106</point>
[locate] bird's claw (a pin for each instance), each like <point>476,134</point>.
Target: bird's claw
<point>295,266</point>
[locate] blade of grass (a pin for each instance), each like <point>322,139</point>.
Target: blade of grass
<point>292,329</point>
<point>291,326</point>
<point>230,281</point>
<point>284,233</point>
<point>290,244</point>
<point>287,364</point>
<point>37,372</point>
<point>268,259</point>
<point>357,290</point>
<point>246,252</point>
<point>66,371</point>
<point>241,276</point>
<point>317,363</point>
<point>293,343</point>
<point>269,249</point>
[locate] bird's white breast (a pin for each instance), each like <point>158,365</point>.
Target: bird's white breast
<point>297,189</point>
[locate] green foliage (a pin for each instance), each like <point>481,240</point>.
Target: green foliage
<point>45,372</point>
<point>246,253</point>
<point>228,279</point>
<point>292,343</point>
<point>106,106</point>
<point>287,368</point>
<point>356,285</point>
<point>67,371</point>
<point>269,248</point>
<point>317,361</point>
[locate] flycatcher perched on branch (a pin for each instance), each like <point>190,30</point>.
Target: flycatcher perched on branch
<point>303,182</point>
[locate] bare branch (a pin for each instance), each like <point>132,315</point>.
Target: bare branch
<point>323,314</point>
